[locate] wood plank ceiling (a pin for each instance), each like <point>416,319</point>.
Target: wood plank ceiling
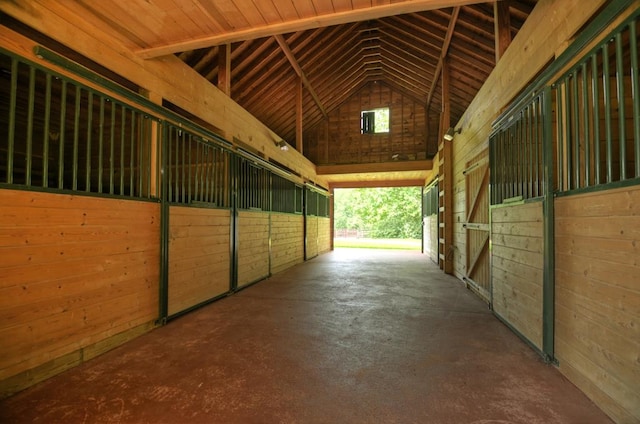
<point>335,46</point>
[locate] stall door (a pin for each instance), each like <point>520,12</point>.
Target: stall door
<point>476,227</point>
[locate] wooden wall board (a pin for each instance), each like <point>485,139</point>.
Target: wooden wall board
<point>253,246</point>
<point>598,297</point>
<point>72,283</point>
<point>341,131</point>
<point>287,241</point>
<point>324,235</point>
<point>517,265</point>
<point>199,255</point>
<point>311,244</point>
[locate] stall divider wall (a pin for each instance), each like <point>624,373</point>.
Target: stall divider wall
<point>565,172</point>
<point>116,215</point>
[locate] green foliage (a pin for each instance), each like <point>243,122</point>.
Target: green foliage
<point>383,212</point>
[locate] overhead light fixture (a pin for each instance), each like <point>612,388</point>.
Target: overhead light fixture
<point>450,132</point>
<point>282,145</point>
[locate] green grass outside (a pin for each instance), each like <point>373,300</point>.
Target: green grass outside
<point>367,243</point>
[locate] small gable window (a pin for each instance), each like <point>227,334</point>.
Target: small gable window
<point>375,121</point>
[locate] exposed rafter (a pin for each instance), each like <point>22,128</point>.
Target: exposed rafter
<point>443,53</point>
<point>296,66</point>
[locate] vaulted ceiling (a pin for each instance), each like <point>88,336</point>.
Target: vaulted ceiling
<point>333,46</point>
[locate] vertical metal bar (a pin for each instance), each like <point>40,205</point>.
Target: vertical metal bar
<point>165,187</point>
<point>586,115</point>
<point>101,145</point>
<point>530,147</point>
<point>13,98</point>
<point>63,120</point>
<point>635,94</point>
<point>29,152</point>
<point>207,157</point>
<point>143,160</point>
<point>132,143</point>
<point>168,161</point>
<point>575,129</point>
<point>595,95</point>
<point>177,194</point>
<point>88,142</point>
<point>196,177</point>
<point>183,177</point>
<point>145,145</point>
<point>548,285</point>
<point>560,135</point>
<point>76,137</point>
<point>622,136</point>
<point>568,133</point>
<point>123,133</point>
<point>190,138</point>
<point>607,111</point>
<point>536,145</point>
<point>112,141</point>
<point>47,123</point>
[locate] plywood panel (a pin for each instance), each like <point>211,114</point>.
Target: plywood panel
<point>598,298</point>
<point>312,237</point>
<point>199,255</point>
<point>324,235</point>
<point>77,272</point>
<point>287,241</point>
<point>517,267</point>
<point>253,247</point>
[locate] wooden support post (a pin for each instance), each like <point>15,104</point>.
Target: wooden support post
<point>299,115</point>
<point>502,27</point>
<point>155,146</point>
<point>445,153</point>
<point>224,69</point>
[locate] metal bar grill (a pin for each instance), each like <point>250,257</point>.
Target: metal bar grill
<point>193,168</point>
<point>595,145</point>
<point>515,152</point>
<point>63,135</point>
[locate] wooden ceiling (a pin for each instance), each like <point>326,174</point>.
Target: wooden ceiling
<point>260,49</point>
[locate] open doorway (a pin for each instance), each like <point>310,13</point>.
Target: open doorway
<point>378,218</point>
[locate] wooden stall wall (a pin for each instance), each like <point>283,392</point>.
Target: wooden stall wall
<point>311,239</point>
<point>79,277</point>
<point>253,246</point>
<point>324,235</point>
<point>287,241</point>
<point>526,56</point>
<point>597,312</point>
<point>199,256</point>
<point>406,139</point>
<point>517,267</point>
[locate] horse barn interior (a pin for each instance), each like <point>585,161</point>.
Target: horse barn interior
<point>157,156</point>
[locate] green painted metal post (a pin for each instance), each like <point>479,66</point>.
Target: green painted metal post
<point>548,285</point>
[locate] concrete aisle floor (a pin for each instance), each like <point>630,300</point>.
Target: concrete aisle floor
<point>354,336</point>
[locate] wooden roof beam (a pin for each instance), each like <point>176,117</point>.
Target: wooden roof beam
<point>294,63</point>
<point>354,15</point>
<point>443,53</point>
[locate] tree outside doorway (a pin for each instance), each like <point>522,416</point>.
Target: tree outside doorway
<point>387,218</point>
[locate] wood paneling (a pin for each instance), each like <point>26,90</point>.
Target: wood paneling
<point>199,255</point>
<point>598,297</point>
<point>287,241</point>
<point>311,242</point>
<point>405,140</point>
<point>253,247</point>
<point>517,267</point>
<point>324,235</point>
<point>79,274</point>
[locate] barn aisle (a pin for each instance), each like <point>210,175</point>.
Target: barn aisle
<point>353,336</point>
